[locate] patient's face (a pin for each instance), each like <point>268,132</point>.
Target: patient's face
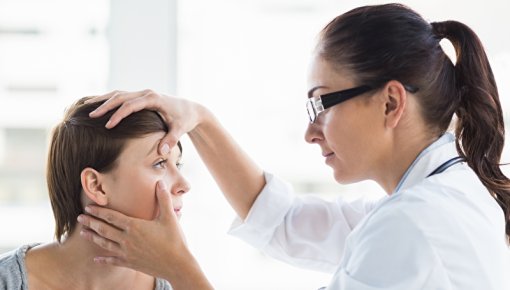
<point>131,184</point>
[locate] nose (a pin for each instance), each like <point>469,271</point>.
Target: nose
<point>180,185</point>
<point>313,133</point>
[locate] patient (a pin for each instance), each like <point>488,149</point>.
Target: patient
<point>88,164</point>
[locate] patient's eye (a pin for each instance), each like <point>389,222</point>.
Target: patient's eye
<point>161,163</point>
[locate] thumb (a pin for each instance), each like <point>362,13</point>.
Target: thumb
<point>170,140</point>
<point>166,208</point>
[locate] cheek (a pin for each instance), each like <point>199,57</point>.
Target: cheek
<point>135,195</point>
<point>349,135</point>
<point>341,132</point>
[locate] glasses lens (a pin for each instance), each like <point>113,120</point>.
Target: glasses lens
<point>311,111</point>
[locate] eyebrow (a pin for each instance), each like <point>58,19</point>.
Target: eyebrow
<point>153,148</point>
<point>156,146</point>
<point>310,92</point>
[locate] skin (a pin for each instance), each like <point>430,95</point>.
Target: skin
<point>132,181</point>
<point>375,136</point>
<point>239,178</point>
<point>359,138</point>
<point>128,188</point>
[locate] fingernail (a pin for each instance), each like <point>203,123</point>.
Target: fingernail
<point>108,124</point>
<point>92,113</point>
<point>80,219</point>
<point>88,209</point>
<point>165,149</point>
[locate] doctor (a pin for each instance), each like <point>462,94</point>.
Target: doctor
<point>382,97</point>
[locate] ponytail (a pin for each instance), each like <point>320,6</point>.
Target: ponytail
<point>480,128</point>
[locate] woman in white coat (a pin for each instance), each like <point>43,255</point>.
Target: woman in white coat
<point>382,96</point>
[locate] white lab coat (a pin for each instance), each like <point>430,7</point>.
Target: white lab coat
<point>441,232</point>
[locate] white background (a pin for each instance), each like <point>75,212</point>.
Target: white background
<point>246,60</point>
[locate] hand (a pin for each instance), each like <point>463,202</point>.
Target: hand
<point>154,247</point>
<point>181,116</point>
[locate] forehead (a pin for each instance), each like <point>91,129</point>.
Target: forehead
<point>323,73</point>
<point>143,147</point>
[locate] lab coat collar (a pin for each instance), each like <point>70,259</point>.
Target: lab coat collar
<point>427,161</point>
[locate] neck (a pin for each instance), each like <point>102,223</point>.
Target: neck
<point>407,149</point>
<point>76,256</point>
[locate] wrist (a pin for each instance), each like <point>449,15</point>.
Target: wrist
<point>204,115</point>
<point>187,274</point>
<point>204,120</point>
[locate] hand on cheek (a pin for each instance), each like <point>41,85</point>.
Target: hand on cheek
<point>151,246</point>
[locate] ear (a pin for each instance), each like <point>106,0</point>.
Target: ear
<point>395,97</point>
<point>92,186</point>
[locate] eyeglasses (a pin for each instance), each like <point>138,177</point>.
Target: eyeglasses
<point>317,105</point>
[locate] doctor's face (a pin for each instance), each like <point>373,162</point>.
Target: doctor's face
<point>131,184</point>
<point>346,133</point>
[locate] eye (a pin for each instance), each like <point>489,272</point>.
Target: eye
<point>161,163</point>
<point>179,165</point>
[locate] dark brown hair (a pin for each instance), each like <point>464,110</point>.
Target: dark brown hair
<point>392,42</point>
<point>79,142</point>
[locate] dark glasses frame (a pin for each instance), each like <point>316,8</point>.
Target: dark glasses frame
<point>316,105</point>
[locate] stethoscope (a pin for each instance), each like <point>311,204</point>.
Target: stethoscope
<point>440,169</point>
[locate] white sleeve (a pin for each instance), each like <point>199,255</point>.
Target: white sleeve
<point>307,232</point>
<point>390,253</point>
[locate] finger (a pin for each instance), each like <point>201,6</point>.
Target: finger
<point>101,241</point>
<point>128,107</point>
<point>110,216</point>
<point>102,97</point>
<point>111,101</point>
<point>115,261</point>
<point>100,228</point>
<point>114,100</point>
<point>166,209</point>
<point>170,140</point>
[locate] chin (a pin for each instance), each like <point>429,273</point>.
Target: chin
<point>344,178</point>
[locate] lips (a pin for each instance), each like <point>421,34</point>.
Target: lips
<point>328,155</point>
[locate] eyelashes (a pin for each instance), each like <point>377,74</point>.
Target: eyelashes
<point>163,163</point>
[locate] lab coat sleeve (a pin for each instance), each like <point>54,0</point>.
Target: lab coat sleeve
<point>390,253</point>
<point>306,232</point>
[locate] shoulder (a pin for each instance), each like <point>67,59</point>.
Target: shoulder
<point>411,214</point>
<point>453,193</point>
<point>443,202</point>
<point>429,215</point>
<point>162,284</point>
<point>12,268</point>
<point>11,262</point>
